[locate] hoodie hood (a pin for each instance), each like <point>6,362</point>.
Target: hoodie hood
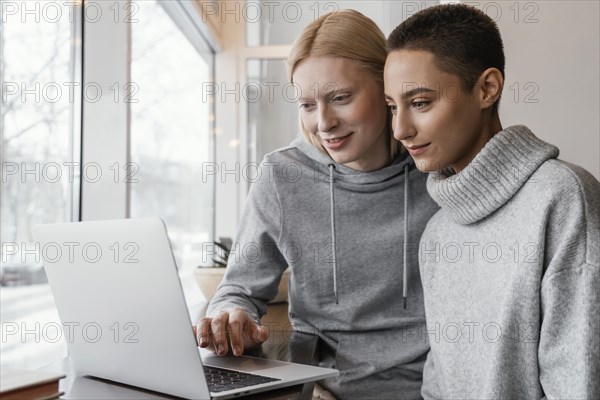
<point>361,181</point>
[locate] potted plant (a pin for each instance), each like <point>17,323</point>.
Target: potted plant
<point>209,277</point>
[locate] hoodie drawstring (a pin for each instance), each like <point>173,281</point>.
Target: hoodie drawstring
<point>405,239</point>
<point>404,256</point>
<point>334,246</point>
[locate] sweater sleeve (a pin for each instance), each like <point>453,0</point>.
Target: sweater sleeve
<point>430,389</point>
<point>569,342</point>
<point>255,263</point>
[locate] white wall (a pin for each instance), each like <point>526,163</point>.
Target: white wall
<point>557,56</point>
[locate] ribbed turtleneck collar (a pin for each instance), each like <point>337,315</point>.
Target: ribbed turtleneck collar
<point>499,170</point>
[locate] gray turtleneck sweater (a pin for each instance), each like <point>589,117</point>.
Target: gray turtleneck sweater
<point>351,300</point>
<point>511,276</point>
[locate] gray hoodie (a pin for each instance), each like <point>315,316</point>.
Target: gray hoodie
<point>511,276</point>
<point>351,299</point>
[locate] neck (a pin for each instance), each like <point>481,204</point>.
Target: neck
<point>489,129</point>
<point>495,124</point>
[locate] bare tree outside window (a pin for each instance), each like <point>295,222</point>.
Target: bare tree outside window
<point>39,183</point>
<point>170,133</point>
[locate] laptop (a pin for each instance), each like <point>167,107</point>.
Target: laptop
<point>125,319</point>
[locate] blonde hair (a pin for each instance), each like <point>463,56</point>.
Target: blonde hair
<point>348,34</point>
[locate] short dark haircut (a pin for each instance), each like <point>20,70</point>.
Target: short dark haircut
<point>463,40</point>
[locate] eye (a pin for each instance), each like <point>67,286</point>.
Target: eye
<point>305,106</point>
<point>340,98</point>
<point>393,109</point>
<point>420,104</point>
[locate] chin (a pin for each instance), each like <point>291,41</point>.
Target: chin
<point>425,165</point>
<point>428,168</point>
<point>341,159</point>
<point>422,165</point>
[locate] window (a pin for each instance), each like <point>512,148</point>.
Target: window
<point>169,139</point>
<point>269,111</point>
<point>171,131</point>
<point>40,138</point>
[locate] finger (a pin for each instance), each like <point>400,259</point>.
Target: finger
<point>235,337</point>
<point>204,333</point>
<point>238,319</point>
<point>218,327</point>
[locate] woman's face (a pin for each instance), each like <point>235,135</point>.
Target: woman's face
<point>343,107</point>
<point>439,124</point>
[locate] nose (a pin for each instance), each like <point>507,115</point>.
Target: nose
<point>327,119</point>
<point>402,126</point>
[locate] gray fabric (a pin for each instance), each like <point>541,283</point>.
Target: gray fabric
<point>405,241</point>
<point>510,274</point>
<point>367,335</point>
<point>333,237</point>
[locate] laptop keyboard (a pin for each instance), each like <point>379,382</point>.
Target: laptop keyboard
<point>220,380</point>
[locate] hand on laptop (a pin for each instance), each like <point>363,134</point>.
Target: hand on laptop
<point>233,330</point>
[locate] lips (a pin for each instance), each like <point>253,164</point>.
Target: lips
<point>336,143</point>
<point>415,150</point>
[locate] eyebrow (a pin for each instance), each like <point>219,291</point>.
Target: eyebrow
<point>328,94</point>
<point>413,92</point>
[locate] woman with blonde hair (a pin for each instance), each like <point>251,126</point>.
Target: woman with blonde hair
<point>343,207</point>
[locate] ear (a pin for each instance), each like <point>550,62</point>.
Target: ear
<point>490,85</point>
